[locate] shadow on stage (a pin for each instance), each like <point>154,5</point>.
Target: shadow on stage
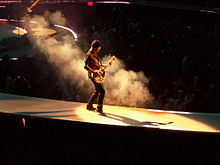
<point>133,122</point>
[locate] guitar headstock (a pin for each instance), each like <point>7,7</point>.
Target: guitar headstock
<point>113,58</point>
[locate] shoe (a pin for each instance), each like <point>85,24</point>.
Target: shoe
<point>90,107</point>
<point>100,110</point>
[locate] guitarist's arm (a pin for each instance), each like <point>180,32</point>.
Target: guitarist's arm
<point>86,67</point>
<point>90,70</point>
<point>109,63</point>
<point>105,65</point>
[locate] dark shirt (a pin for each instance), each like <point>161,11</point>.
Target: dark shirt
<point>92,61</point>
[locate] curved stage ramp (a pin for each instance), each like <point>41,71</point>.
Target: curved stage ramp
<point>115,115</point>
<point>43,131</point>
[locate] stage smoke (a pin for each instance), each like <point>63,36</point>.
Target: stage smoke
<point>126,87</point>
<point>123,87</point>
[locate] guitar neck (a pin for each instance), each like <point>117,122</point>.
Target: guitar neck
<point>112,59</point>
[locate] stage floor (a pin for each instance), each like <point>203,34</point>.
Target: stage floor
<point>115,115</point>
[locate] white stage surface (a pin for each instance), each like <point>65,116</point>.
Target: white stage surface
<point>115,115</point>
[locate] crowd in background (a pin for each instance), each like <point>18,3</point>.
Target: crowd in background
<point>177,50</point>
<point>206,3</point>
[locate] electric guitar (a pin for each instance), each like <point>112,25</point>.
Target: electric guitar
<point>99,75</point>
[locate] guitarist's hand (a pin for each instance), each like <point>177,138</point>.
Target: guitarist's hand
<point>110,63</point>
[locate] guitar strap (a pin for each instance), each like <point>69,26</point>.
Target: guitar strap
<point>100,61</point>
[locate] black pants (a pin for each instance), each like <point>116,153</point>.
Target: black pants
<point>98,94</point>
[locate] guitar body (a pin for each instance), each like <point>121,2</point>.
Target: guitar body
<point>99,78</point>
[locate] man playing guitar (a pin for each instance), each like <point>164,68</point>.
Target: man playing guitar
<point>93,65</point>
